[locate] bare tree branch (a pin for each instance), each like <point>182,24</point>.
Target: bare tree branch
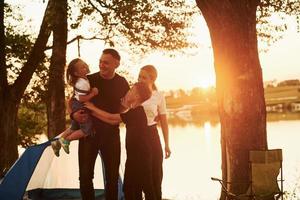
<point>79,37</point>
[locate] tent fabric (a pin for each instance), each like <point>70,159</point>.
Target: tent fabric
<point>15,181</point>
<point>61,194</point>
<point>42,175</point>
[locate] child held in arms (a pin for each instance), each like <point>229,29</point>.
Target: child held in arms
<point>77,71</point>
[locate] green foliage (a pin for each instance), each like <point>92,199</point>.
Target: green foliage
<point>19,42</point>
<point>37,90</point>
<point>32,121</point>
<point>272,18</point>
<point>291,82</point>
<point>142,25</point>
<point>179,98</point>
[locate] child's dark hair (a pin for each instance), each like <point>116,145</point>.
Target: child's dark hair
<point>114,53</point>
<point>71,68</point>
<point>143,90</point>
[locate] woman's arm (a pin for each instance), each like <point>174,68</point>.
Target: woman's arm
<point>165,130</point>
<point>103,115</point>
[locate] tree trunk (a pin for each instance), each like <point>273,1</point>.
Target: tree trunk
<point>239,84</point>
<point>3,73</point>
<point>10,95</point>
<point>56,101</point>
<point>8,124</point>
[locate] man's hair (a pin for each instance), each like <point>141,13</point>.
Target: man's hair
<point>143,91</point>
<point>114,53</point>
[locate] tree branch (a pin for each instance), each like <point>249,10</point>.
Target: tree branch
<point>36,56</point>
<point>79,37</point>
<point>3,72</point>
<point>93,5</point>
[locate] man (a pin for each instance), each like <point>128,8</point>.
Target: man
<point>111,87</point>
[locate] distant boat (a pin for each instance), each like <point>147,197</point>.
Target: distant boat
<point>184,114</point>
<point>295,107</point>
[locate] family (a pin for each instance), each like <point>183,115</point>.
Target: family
<point>100,102</point>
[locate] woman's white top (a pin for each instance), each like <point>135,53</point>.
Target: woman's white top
<point>82,87</point>
<point>155,106</point>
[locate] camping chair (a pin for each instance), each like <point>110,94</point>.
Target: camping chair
<point>265,166</point>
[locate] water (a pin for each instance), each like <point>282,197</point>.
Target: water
<point>196,157</point>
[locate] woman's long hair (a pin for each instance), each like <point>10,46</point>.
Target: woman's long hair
<point>152,72</point>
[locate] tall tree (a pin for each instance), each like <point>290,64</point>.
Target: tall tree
<point>139,22</point>
<point>239,83</point>
<point>56,101</point>
<point>11,94</point>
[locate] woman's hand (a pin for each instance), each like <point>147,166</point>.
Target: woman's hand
<point>157,118</point>
<point>167,152</point>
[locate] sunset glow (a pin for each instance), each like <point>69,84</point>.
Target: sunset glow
<point>191,69</point>
<point>207,133</point>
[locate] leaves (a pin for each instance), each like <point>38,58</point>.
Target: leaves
<point>19,42</point>
<point>272,18</point>
<point>32,122</point>
<point>140,24</point>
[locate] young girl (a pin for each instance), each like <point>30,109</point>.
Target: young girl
<point>138,168</point>
<point>77,77</point>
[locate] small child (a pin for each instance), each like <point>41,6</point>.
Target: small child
<point>77,77</point>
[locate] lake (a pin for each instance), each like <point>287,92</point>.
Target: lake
<point>196,157</point>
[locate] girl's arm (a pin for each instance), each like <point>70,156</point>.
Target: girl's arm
<point>165,130</point>
<point>91,94</point>
<point>103,115</point>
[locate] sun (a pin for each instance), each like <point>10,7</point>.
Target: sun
<point>205,83</point>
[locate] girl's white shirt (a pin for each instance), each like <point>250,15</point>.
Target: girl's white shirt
<point>81,84</point>
<point>154,106</point>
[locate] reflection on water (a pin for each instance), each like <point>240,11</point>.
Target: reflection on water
<point>283,116</point>
<point>195,120</point>
<point>196,156</point>
<point>198,120</point>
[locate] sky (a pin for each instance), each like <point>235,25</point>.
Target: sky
<point>187,71</point>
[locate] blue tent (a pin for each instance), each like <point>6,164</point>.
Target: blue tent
<point>40,175</point>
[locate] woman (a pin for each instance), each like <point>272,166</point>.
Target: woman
<point>155,109</point>
<point>138,171</point>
